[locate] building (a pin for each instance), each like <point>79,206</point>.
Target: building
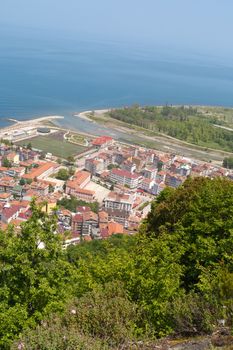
<point>119,201</point>
<point>120,216</point>
<point>102,142</point>
<point>42,171</point>
<point>82,178</point>
<point>124,178</point>
<point>95,166</point>
<point>147,184</point>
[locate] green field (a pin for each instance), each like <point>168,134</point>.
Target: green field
<point>55,144</point>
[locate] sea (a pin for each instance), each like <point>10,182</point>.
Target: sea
<point>61,76</point>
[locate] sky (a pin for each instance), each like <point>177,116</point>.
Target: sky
<point>202,26</point>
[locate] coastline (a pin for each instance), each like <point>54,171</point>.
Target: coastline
<point>21,125</point>
<point>84,114</point>
<point>29,122</point>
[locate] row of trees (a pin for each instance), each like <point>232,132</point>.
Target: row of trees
<point>184,123</point>
<point>174,277</point>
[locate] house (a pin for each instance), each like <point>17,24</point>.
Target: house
<point>9,213</point>
<point>13,157</point>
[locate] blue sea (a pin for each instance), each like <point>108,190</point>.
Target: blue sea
<point>62,76</point>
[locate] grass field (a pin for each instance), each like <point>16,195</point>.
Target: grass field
<point>55,144</point>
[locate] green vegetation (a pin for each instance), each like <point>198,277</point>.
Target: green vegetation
<point>228,162</point>
<point>144,205</point>
<point>63,174</point>
<point>73,202</point>
<point>184,123</point>
<point>113,166</point>
<point>54,143</point>
<point>174,278</point>
<point>6,163</point>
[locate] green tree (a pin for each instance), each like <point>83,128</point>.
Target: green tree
<point>6,163</point>
<point>228,162</point>
<point>63,174</point>
<point>71,159</point>
<point>33,277</point>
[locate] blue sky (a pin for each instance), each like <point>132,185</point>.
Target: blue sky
<point>203,26</point>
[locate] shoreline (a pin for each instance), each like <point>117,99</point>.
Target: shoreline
<point>84,114</point>
<point>28,122</point>
<point>25,125</point>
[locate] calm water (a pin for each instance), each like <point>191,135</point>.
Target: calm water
<point>39,77</point>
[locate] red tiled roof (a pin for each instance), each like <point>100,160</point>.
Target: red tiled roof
<point>124,173</point>
<point>99,141</point>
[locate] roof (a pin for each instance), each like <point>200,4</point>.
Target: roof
<point>36,172</point>
<point>81,176</point>
<point>114,227</point>
<point>90,216</point>
<point>77,218</point>
<point>99,141</point>
<point>9,212</point>
<point>103,216</point>
<point>124,173</point>
<point>83,209</point>
<point>82,191</point>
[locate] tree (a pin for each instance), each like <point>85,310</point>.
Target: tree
<point>29,146</point>
<point>228,162</point>
<point>6,163</point>
<point>22,182</point>
<point>63,174</point>
<point>71,159</point>
<point>51,188</point>
<point>193,222</point>
<point>33,275</point>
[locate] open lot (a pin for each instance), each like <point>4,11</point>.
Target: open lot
<point>100,191</point>
<point>54,143</point>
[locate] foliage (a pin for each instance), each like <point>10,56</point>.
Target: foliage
<point>174,277</point>
<point>63,174</point>
<point>100,319</point>
<point>6,142</point>
<point>184,123</point>
<point>228,162</point>
<point>6,163</point>
<point>113,166</point>
<point>52,334</point>
<point>71,159</point>
<point>72,203</point>
<point>35,276</point>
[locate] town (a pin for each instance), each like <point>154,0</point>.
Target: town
<point>108,190</point>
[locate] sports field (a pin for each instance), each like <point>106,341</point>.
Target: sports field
<point>54,143</point>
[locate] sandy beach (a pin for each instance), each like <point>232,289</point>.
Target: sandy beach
<point>84,115</point>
